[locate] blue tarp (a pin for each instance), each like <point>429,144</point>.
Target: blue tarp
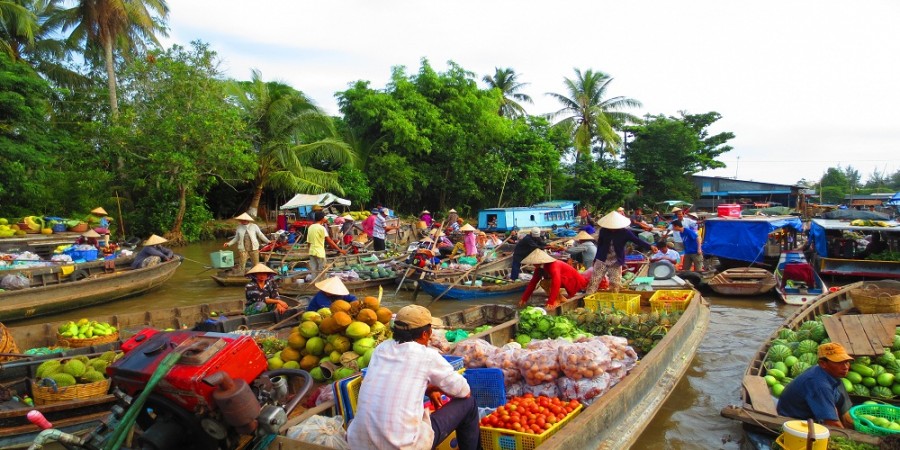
<point>895,200</point>
<point>817,234</point>
<point>743,239</point>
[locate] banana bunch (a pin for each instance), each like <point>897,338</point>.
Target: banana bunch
<point>35,223</point>
<point>85,329</point>
<point>869,223</point>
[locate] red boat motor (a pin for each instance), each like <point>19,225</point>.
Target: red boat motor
<point>217,391</point>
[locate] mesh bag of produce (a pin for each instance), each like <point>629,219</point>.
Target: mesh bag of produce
<point>515,389</point>
<point>619,350</point>
<point>505,359</point>
<point>475,352</point>
<point>549,389</point>
<point>553,344</point>
<point>439,342</point>
<point>585,390</point>
<point>584,360</point>
<point>538,366</point>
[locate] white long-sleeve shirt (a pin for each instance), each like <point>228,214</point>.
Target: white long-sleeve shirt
<point>252,231</point>
<point>390,413</point>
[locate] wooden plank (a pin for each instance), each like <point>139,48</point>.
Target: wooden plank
<point>889,324</point>
<point>758,392</point>
<point>874,332</point>
<point>836,331</point>
<point>856,336</point>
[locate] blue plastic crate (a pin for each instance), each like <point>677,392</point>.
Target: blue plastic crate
<point>85,255</point>
<point>487,386</point>
<point>455,361</point>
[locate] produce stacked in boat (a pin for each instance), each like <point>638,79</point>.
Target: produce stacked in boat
<point>643,331</point>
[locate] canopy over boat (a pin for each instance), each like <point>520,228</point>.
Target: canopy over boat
<point>853,214</point>
<point>743,239</point>
<point>818,227</point>
<point>301,200</point>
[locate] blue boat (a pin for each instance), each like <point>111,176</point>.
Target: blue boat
<point>749,239</point>
<point>472,287</point>
<point>542,215</point>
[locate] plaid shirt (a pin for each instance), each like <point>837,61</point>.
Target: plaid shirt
<point>390,413</point>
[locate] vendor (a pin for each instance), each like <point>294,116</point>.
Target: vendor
<point>818,392</point>
<point>89,237</point>
<point>103,222</point>
<point>524,247</point>
<point>493,241</point>
<point>552,275</point>
<point>662,252</point>
<point>247,236</point>
<point>469,240</point>
<point>390,412</point>
<point>452,222</point>
<point>425,216</point>
<point>152,253</point>
<point>346,229</point>
<point>262,292</point>
<point>585,249</point>
<point>330,289</point>
<point>610,259</point>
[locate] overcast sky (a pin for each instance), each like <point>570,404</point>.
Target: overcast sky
<point>804,85</point>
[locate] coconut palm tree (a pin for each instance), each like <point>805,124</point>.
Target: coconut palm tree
<point>32,38</point>
<point>593,117</point>
<point>507,81</point>
<point>114,25</point>
<point>18,25</point>
<point>291,137</point>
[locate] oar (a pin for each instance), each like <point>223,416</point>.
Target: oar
<point>461,277</point>
<point>406,274</point>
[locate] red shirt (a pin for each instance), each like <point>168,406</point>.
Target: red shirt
<point>561,275</point>
<point>368,225</point>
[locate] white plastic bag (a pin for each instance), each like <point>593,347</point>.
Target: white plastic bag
<point>506,360</point>
<point>475,352</point>
<point>584,390</point>
<point>549,389</point>
<point>321,430</point>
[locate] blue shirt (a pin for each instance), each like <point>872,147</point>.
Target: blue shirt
<point>322,300</point>
<point>689,237</point>
<point>813,395</point>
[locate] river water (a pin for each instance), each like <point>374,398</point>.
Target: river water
<point>689,419</point>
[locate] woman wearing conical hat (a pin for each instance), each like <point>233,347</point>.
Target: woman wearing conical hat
<point>262,292</point>
<point>610,259</point>
<point>330,289</point>
<point>152,253</point>
<point>469,240</point>
<point>247,237</point>
<point>584,250</point>
<point>552,275</point>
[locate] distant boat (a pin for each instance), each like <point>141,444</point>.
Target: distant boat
<point>748,240</point>
<point>743,281</point>
<point>837,249</point>
<point>541,215</point>
<point>796,281</point>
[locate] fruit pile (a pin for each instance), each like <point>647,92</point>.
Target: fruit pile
<point>530,414</point>
<point>77,370</point>
<point>643,331</point>
<point>359,215</point>
<point>336,342</point>
<point>85,329</point>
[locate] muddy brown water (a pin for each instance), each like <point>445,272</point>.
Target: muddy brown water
<point>689,419</point>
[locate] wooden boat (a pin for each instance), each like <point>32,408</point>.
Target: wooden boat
<point>60,272</point>
<point>837,251</point>
<point>493,283</point>
<point>757,409</point>
<point>95,289</point>
<point>297,268</point>
<point>743,281</point>
<point>797,293</point>
<point>750,239</point>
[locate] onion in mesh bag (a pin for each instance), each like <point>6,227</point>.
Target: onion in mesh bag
<point>475,352</point>
<point>584,360</point>
<point>506,360</point>
<point>538,366</point>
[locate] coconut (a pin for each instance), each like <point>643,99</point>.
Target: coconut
<point>371,303</point>
<point>342,318</point>
<point>341,343</point>
<point>315,346</point>
<point>329,326</point>
<point>361,346</point>
<point>311,316</point>
<point>367,316</point>
<point>339,306</point>
<point>308,329</point>
<point>290,354</point>
<point>308,362</point>
<point>357,330</point>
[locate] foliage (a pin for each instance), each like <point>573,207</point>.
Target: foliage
<point>600,185</point>
<point>834,185</point>
<point>147,217</point>
<point>507,82</point>
<point>355,184</point>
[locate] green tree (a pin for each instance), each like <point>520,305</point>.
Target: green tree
<point>600,185</point>
<point>507,82</point>
<point>593,117</point>
<point>292,139</point>
<point>18,27</point>
<point>834,185</point>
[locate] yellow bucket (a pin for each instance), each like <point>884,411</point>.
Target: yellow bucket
<point>795,432</point>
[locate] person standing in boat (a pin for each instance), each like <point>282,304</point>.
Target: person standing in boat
<point>330,289</point>
<point>247,237</point>
<point>693,247</point>
<point>317,236</point>
<point>469,240</point>
<point>610,259</point>
<point>552,275</point>
<point>368,225</point>
<point>818,392</point>
<point>152,253</point>
<point>262,292</point>
<point>585,249</point>
<point>380,230</point>
<point>686,221</point>
<point>524,247</point>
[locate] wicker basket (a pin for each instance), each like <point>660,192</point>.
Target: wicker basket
<point>874,299</point>
<point>43,395</point>
<point>80,228</point>
<point>7,344</point>
<point>65,341</point>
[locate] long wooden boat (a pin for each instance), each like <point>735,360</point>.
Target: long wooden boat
<point>484,284</point>
<point>743,281</point>
<point>55,272</point>
<point>298,268</point>
<point>757,408</point>
<point>797,294</point>
<point>95,289</point>
<point>837,254</point>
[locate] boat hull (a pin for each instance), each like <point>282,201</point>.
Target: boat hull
<point>796,296</point>
<point>744,281</point>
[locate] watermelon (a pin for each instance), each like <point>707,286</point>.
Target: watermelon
<point>787,334</point>
<point>886,358</point>
<point>778,352</point>
<point>881,392</point>
<point>861,390</point>
<point>806,346</point>
<point>799,368</point>
<point>809,358</point>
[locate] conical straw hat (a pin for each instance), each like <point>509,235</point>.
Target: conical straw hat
<point>614,221</point>
<point>583,236</point>
<point>467,227</point>
<point>451,211</point>
<point>98,210</point>
<point>538,256</point>
<point>333,286</point>
<point>245,216</point>
<point>260,268</point>
<point>155,240</point>
<point>91,234</point>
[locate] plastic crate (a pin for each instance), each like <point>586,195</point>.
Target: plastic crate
<point>83,255</point>
<point>670,300</point>
<point>503,439</point>
<point>487,386</point>
<point>866,426</point>
<point>628,303</point>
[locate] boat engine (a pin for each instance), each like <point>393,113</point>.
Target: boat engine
<point>217,391</point>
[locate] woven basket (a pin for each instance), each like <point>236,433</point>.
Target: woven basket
<point>64,341</point>
<point>7,344</point>
<point>873,299</point>
<point>80,228</point>
<point>43,395</point>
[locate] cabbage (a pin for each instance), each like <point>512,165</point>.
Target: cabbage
<point>778,352</point>
<point>807,346</point>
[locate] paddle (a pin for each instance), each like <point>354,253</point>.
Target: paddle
<point>461,277</point>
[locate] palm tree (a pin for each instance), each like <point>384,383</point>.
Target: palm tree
<point>32,38</point>
<point>18,26</point>
<point>593,117</point>
<point>291,136</point>
<point>110,25</point>
<point>507,81</point>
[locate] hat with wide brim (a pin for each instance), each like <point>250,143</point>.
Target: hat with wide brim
<point>348,217</point>
<point>91,234</point>
<point>425,211</point>
<point>583,236</point>
<point>333,286</point>
<point>467,227</point>
<point>676,209</point>
<point>538,256</point>
<point>99,210</point>
<point>614,221</point>
<point>452,210</point>
<point>155,240</point>
<point>245,216</point>
<point>260,268</point>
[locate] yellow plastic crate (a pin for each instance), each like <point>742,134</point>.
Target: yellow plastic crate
<point>503,439</point>
<point>670,300</point>
<point>627,303</point>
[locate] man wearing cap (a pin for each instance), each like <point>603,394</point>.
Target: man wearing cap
<point>380,229</point>
<point>247,237</point>
<point>390,413</point>
<point>610,259</point>
<point>524,247</point>
<point>818,392</point>
<point>262,292</point>
<point>330,289</point>
<point>552,275</point>
<point>585,249</point>
<point>152,253</point>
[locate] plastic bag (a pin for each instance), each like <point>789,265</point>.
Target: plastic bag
<point>585,390</point>
<point>538,366</point>
<point>549,389</point>
<point>321,430</point>
<point>584,360</point>
<point>457,335</point>
<point>439,341</point>
<point>619,350</point>
<point>14,282</point>
<point>326,394</point>
<point>553,344</point>
<point>514,390</point>
<point>475,352</point>
<point>506,360</point>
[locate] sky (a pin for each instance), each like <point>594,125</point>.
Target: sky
<point>804,85</point>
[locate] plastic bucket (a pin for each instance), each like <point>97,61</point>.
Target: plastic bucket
<point>795,432</point>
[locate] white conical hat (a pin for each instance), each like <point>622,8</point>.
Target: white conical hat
<point>333,286</point>
<point>99,210</point>
<point>467,227</point>
<point>538,256</point>
<point>91,234</point>
<point>583,236</point>
<point>452,210</point>
<point>154,240</point>
<point>260,268</point>
<point>245,216</point>
<point>614,221</point>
